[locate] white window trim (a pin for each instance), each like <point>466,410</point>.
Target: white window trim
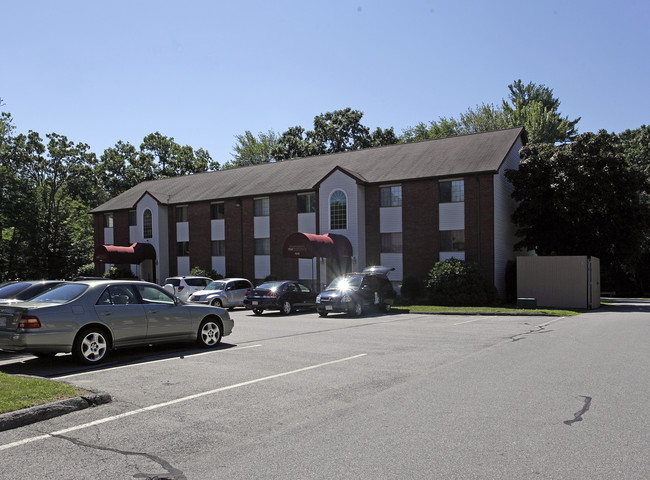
<point>347,207</point>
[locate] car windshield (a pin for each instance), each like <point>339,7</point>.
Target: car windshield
<point>61,294</point>
<point>346,282</point>
<point>216,286</point>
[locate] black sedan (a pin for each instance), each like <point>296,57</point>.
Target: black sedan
<point>286,296</point>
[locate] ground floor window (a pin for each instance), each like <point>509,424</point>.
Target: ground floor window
<point>391,242</point>
<point>182,249</point>
<point>218,248</point>
<point>452,241</point>
<point>262,246</point>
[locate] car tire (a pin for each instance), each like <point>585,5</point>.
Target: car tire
<point>91,346</point>
<point>210,333</point>
<point>258,311</point>
<point>386,307</point>
<point>322,314</point>
<point>217,303</point>
<point>357,309</point>
<point>287,308</point>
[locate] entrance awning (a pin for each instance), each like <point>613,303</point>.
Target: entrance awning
<point>310,245</point>
<point>134,254</point>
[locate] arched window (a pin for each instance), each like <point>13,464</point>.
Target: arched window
<point>338,211</point>
<point>147,224</point>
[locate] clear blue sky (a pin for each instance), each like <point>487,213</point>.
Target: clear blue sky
<point>205,71</point>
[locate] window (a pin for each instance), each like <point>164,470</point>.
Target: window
<point>391,242</point>
<point>452,241</point>
<point>338,211</point>
<point>182,249</point>
<point>307,203</point>
<point>261,207</point>
<point>147,224</point>
<point>108,220</point>
<point>133,218</point>
<point>390,196</point>
<point>218,248</point>
<point>217,211</point>
<point>262,246</point>
<point>151,294</point>
<point>452,191</point>
<point>181,214</point>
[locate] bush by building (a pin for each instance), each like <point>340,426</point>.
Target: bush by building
<point>455,282</point>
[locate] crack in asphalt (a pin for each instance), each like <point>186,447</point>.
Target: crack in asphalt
<point>538,329</point>
<point>172,473</point>
<point>577,417</point>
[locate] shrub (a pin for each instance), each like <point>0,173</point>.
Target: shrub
<point>411,289</point>
<point>115,273</point>
<point>458,283</point>
<point>87,270</point>
<point>199,272</point>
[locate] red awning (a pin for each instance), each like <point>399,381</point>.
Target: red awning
<point>310,245</point>
<point>134,254</point>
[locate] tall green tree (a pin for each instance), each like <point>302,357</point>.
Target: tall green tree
<point>172,159</point>
<point>252,150</point>
<point>337,131</point>
<point>582,198</point>
<point>530,105</point>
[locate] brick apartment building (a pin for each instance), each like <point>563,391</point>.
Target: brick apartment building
<point>405,206</point>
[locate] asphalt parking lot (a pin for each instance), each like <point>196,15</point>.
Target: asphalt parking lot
<point>381,396</point>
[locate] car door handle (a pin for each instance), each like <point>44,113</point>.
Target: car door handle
<point>105,314</point>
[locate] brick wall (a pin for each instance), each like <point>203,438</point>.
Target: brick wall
<point>479,223</point>
<point>121,228</point>
<point>200,235</point>
<point>420,236</point>
<point>234,238</point>
<point>283,221</point>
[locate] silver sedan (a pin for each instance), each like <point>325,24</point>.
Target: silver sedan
<point>91,318</point>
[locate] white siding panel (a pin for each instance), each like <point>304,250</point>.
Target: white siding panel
<point>183,265</point>
<point>219,265</point>
<point>393,260</point>
<point>218,229</point>
<point>262,266</point>
<point>182,232</point>
<point>504,229</point>
<point>262,226</point>
<point>307,269</point>
<point>133,234</point>
<point>307,223</point>
<point>452,216</point>
<point>447,255</point>
<point>390,219</point>
<point>108,236</point>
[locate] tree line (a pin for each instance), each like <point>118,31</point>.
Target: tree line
<point>577,194</point>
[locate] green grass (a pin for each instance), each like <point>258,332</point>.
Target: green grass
<point>487,310</point>
<point>22,392</point>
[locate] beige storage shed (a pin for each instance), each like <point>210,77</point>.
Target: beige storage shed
<point>559,281</point>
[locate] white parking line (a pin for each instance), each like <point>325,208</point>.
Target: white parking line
<point>172,402</point>
<point>153,361</point>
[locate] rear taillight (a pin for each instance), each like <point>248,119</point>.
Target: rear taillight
<point>29,321</point>
<point>270,293</point>
<point>180,288</point>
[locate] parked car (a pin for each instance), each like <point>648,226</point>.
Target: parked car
<point>286,296</point>
<point>228,292</point>
<point>183,287</point>
<point>91,318</point>
<point>21,291</point>
<point>355,292</point>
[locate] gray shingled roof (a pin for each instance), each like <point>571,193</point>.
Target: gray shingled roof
<point>446,157</point>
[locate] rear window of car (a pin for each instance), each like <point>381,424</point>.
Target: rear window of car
<point>61,294</point>
<point>34,290</point>
<point>173,281</point>
<point>9,291</point>
<point>198,282</point>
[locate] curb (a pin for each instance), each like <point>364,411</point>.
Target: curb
<point>27,416</point>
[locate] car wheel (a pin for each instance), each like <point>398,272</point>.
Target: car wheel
<point>386,307</point>
<point>209,333</point>
<point>287,308</point>
<point>357,309</point>
<point>91,346</point>
<point>323,314</point>
<point>216,303</point>
<point>258,311</point>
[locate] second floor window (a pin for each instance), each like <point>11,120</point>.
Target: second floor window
<point>182,249</point>
<point>147,224</point>
<point>452,191</point>
<point>307,203</point>
<point>133,218</point>
<point>181,214</point>
<point>108,220</point>
<point>390,196</point>
<point>261,207</point>
<point>338,211</point>
<point>217,211</point>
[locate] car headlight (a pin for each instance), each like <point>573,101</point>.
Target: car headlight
<point>346,299</point>
<point>317,298</point>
